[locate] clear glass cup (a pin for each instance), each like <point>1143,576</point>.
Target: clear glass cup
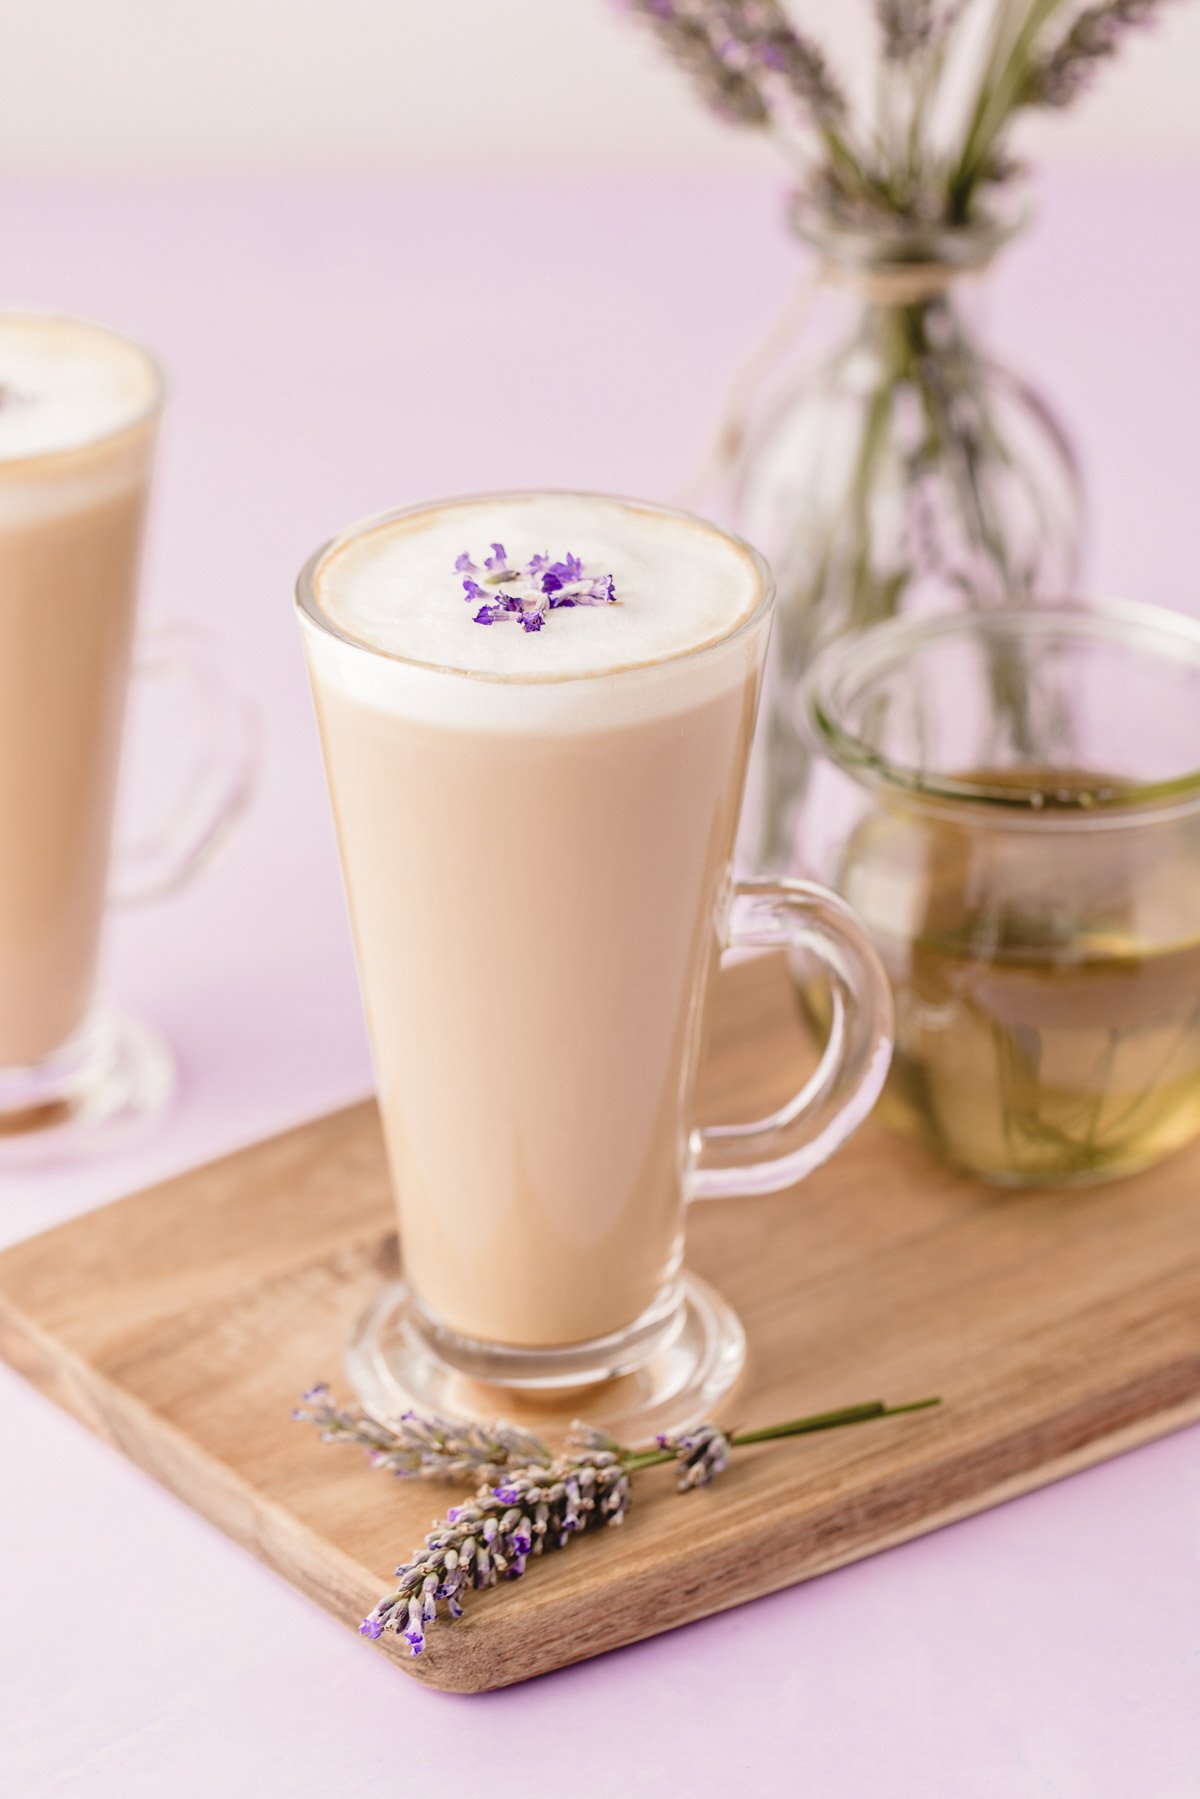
<point>75,1074</point>
<point>1029,873</point>
<point>539,909</point>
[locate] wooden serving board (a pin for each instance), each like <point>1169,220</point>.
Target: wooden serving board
<point>181,1324</point>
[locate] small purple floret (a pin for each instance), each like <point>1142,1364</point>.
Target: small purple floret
<point>507,1495</point>
<point>497,559</point>
<point>370,1627</point>
<point>532,621</point>
<point>561,574</point>
<point>464,565</point>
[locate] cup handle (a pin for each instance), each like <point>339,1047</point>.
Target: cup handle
<point>218,783</point>
<point>774,1152</point>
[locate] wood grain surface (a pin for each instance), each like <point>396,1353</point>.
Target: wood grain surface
<point>181,1324</point>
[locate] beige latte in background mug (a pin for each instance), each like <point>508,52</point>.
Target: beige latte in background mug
<point>536,712</point>
<point>79,414</point>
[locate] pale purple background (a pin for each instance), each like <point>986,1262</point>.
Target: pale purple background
<point>338,348</point>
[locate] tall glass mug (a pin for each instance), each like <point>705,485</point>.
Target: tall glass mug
<point>536,822</point>
<point>79,412</point>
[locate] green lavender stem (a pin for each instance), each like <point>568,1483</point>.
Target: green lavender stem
<point>1005,80</point>
<point>634,1460</point>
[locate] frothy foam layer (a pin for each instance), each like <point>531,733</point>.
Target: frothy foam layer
<point>65,384</point>
<point>680,584</point>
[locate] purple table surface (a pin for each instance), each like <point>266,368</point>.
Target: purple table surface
<point>337,348</point>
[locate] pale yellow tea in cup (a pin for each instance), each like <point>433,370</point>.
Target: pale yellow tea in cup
<point>1038,911</point>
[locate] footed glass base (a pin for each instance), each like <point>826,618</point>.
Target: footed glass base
<point>671,1370</point>
<point>93,1096</point>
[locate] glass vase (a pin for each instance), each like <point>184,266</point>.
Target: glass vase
<point>898,467</point>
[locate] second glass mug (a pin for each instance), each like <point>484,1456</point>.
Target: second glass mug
<point>1010,800</point>
<point>537,1080</point>
<point>75,1076</point>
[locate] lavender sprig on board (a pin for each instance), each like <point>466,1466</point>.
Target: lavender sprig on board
<point>424,1447</point>
<point>532,591</point>
<point>526,1510</point>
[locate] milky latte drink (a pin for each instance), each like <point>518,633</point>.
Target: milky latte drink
<point>78,412</point>
<point>536,712</point>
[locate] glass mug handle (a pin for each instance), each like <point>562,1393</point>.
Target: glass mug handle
<point>219,781</point>
<point>774,1152</point>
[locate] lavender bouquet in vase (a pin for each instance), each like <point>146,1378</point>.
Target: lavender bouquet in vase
<point>903,467</point>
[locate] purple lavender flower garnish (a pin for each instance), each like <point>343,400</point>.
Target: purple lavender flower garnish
<point>561,574</point>
<point>537,589</point>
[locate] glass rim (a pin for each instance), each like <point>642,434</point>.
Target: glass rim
<point>848,666</point>
<point>308,608</point>
<point>38,459</point>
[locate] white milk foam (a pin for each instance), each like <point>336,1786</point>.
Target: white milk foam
<point>66,389</point>
<point>391,585</point>
<point>65,383</point>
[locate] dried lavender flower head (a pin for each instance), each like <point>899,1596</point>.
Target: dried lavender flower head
<point>906,28</point>
<point>424,1447</point>
<point>1059,75</point>
<point>725,82</point>
<point>492,1537</point>
<point>747,57</point>
<point>701,1454</point>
